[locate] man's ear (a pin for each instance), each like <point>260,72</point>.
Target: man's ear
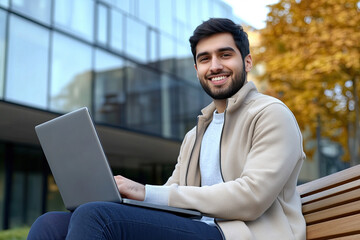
<point>197,75</point>
<point>248,63</point>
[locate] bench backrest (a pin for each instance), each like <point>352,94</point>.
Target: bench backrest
<point>331,205</point>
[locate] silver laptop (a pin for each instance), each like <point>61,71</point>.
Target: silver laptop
<point>79,165</point>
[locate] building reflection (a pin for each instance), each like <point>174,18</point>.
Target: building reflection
<point>128,61</point>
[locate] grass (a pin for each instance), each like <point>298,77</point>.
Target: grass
<point>14,234</point>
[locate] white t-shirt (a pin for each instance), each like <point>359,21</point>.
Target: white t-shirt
<point>209,165</point>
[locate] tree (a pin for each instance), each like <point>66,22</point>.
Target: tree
<point>311,53</point>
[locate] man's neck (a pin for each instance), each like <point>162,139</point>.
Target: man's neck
<point>220,105</point>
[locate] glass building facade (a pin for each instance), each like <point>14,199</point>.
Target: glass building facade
<point>128,61</point>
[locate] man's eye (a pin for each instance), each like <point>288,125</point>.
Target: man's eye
<point>203,59</point>
<point>226,55</point>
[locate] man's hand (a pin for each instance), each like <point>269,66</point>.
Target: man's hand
<point>130,189</point>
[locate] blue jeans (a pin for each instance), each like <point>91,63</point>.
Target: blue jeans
<point>105,220</point>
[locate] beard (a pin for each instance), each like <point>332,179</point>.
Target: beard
<point>235,86</point>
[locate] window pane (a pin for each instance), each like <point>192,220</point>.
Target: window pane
<point>2,182</point>
<point>109,89</point>
<point>133,4</point>
<point>167,53</point>
<point>117,31</point>
<point>70,74</point>
<point>185,63</point>
<point>136,39</point>
<point>2,50</point>
<point>195,15</point>
<point>76,17</point>
<point>4,3</point>
<point>124,5</point>
<point>170,107</point>
<point>28,44</point>
<point>182,10</point>
<point>26,188</point>
<point>182,101</point>
<point>166,16</point>
<point>37,9</point>
<point>189,106</point>
<point>102,31</point>
<point>222,10</point>
<point>148,11</point>
<point>182,20</point>
<point>144,99</point>
<point>154,48</point>
<point>111,2</point>
<point>205,10</point>
<point>183,33</point>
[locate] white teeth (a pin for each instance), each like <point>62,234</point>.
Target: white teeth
<point>218,78</point>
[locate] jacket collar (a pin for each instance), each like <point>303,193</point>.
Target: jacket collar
<point>242,96</point>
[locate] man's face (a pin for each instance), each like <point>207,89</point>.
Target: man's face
<point>219,65</point>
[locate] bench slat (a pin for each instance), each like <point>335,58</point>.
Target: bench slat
<point>335,228</point>
<point>331,192</point>
<point>330,181</point>
<point>332,201</point>
<point>352,237</point>
<point>332,213</point>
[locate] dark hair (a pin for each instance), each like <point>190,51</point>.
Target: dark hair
<point>220,25</point>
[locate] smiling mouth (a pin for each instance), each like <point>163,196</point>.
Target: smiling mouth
<point>217,79</point>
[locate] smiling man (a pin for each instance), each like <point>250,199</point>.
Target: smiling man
<point>218,65</point>
<point>239,166</point>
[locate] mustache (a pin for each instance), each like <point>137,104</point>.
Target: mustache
<point>217,74</point>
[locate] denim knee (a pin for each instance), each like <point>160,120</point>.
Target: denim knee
<point>88,211</point>
<point>90,220</point>
<point>51,225</point>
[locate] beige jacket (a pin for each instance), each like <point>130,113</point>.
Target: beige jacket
<point>261,155</point>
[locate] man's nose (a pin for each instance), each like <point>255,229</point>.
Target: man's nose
<point>216,65</point>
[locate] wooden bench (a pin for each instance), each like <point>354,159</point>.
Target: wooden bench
<point>331,206</point>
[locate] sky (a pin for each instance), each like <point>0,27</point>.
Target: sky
<point>253,12</point>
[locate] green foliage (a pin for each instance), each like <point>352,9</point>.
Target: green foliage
<point>14,234</point>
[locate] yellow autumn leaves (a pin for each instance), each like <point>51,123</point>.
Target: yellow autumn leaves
<point>311,53</point>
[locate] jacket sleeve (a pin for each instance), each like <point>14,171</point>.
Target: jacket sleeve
<point>175,176</point>
<point>276,150</point>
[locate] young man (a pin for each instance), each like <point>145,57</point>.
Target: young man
<point>239,166</point>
